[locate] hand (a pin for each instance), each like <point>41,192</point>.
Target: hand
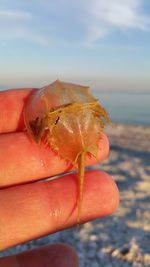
<point>30,209</point>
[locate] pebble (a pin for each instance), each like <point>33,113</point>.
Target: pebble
<point>108,265</point>
<point>91,253</point>
<point>147,259</point>
<point>93,237</point>
<point>92,245</point>
<point>101,255</point>
<point>94,264</point>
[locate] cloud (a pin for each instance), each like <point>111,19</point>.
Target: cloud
<point>83,22</point>
<point>105,16</point>
<point>9,14</point>
<point>18,24</point>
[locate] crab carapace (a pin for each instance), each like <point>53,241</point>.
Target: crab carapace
<point>70,120</point>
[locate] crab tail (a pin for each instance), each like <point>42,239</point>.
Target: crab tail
<point>81,167</point>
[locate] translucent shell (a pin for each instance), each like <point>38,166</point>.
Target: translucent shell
<point>70,120</point>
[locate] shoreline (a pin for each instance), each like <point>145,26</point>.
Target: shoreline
<point>136,137</point>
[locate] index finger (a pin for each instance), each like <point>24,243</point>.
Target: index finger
<point>33,161</point>
<point>11,109</point>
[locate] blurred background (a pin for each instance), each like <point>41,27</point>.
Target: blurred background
<point>106,45</point>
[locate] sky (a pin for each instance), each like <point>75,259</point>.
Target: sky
<point>101,43</point>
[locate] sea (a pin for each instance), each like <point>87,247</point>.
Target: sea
<point>126,107</point>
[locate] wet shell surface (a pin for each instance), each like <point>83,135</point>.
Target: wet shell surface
<point>70,120</point>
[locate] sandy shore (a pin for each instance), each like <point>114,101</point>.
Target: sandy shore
<point>124,238</point>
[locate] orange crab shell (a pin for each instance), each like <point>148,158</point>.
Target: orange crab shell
<point>70,120</point>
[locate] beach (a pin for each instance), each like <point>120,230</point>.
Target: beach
<point>123,239</point>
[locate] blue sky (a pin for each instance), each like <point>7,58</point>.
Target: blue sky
<point>102,43</point>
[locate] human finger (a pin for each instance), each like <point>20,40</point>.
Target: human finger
<point>57,255</point>
<point>36,209</point>
<point>11,109</point>
<point>22,160</point>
